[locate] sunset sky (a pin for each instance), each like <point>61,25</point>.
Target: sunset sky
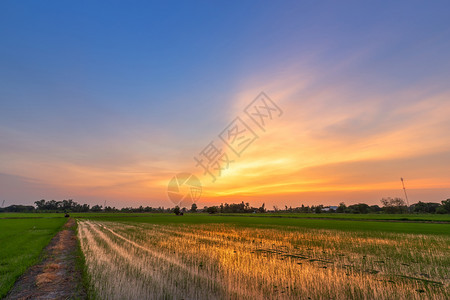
<point>107,101</point>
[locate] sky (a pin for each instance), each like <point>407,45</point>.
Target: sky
<point>108,100</point>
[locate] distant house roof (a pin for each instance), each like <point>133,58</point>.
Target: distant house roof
<point>329,208</point>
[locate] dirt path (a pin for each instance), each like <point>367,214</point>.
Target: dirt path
<point>56,277</point>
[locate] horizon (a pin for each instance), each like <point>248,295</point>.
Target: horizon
<point>108,102</point>
<point>275,208</point>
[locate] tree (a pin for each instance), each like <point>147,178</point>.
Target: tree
<point>318,209</point>
<point>40,204</point>
<point>375,208</point>
<point>394,205</point>
<point>96,208</point>
<point>67,205</point>
<point>85,208</point>
<point>53,205</point>
<point>422,207</point>
<point>194,207</point>
<point>446,205</point>
<point>360,208</point>
<point>441,210</point>
<point>212,209</point>
<point>304,209</point>
<point>18,208</point>
<point>262,209</point>
<point>176,210</point>
<point>341,208</point>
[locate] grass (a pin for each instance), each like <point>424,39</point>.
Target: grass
<point>4,215</point>
<point>8,215</point>
<point>399,217</point>
<point>22,241</point>
<point>385,217</point>
<point>393,217</point>
<point>264,220</point>
<point>221,257</point>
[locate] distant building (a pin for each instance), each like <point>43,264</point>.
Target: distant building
<point>330,208</point>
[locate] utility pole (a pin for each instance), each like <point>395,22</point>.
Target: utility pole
<point>3,204</point>
<point>404,190</point>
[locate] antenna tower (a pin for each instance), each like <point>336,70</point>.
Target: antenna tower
<point>404,190</point>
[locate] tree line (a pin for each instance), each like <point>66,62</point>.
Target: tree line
<point>70,205</point>
<point>388,205</point>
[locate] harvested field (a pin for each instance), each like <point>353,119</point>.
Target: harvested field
<point>223,261</point>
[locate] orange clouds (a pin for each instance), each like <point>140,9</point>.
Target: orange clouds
<point>343,140</point>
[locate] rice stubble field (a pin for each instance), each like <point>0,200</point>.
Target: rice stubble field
<point>144,260</point>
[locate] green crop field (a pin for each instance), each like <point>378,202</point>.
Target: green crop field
<point>248,257</point>
<point>266,220</point>
<point>399,217</point>
<point>4,215</point>
<point>21,242</point>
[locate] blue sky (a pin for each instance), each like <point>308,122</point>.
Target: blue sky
<point>112,87</point>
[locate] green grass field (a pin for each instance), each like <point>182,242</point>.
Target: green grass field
<point>400,217</point>
<point>22,241</point>
<point>264,220</point>
<point>4,215</point>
